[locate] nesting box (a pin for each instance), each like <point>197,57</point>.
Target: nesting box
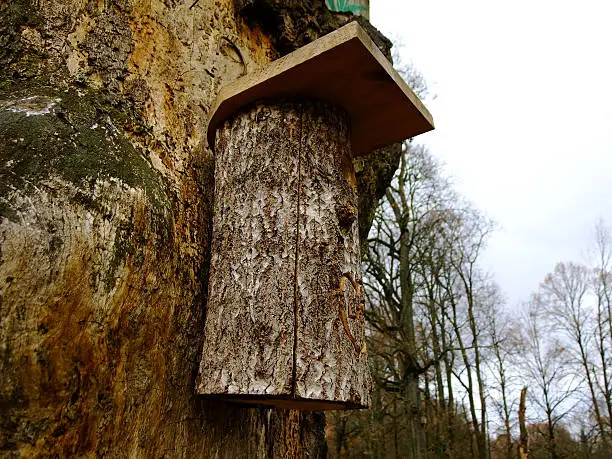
<point>285,319</point>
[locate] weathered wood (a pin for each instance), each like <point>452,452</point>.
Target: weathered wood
<point>285,312</point>
<point>344,67</point>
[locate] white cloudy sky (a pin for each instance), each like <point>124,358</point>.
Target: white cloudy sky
<point>523,114</point>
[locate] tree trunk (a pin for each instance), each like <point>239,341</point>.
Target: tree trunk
<point>448,358</point>
<point>523,447</point>
<point>470,382</point>
<point>105,214</point>
<point>481,434</point>
<point>505,407</point>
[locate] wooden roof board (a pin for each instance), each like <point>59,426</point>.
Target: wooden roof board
<point>344,67</point>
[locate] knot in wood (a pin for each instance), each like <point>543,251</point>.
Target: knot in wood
<point>347,214</point>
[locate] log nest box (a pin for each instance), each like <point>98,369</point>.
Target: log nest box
<point>285,317</point>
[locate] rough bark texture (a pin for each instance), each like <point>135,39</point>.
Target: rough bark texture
<point>331,358</point>
<point>105,212</point>
<point>274,279</point>
<point>249,332</point>
<point>292,24</point>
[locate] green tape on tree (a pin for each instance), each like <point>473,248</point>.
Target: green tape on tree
<point>357,7</point>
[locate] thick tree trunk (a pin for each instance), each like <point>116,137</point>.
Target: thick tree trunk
<point>105,214</point>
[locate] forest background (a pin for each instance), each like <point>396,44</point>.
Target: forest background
<point>488,263</point>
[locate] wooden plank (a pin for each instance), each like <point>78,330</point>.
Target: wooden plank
<point>344,67</point>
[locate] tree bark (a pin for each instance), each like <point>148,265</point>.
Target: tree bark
<point>286,322</point>
<point>105,214</point>
<point>523,447</point>
<point>331,358</point>
<point>249,342</point>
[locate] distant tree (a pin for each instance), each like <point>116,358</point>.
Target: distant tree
<point>469,299</point>
<point>565,294</point>
<point>544,364</point>
<point>602,285</point>
<point>427,302</point>
<point>401,254</point>
<point>504,341</point>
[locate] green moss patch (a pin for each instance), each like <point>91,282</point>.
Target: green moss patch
<point>75,135</point>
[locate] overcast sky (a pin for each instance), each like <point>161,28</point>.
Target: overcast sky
<point>523,114</point>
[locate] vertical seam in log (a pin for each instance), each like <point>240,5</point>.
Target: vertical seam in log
<point>297,257</point>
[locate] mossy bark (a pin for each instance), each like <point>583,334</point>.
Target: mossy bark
<point>105,216</point>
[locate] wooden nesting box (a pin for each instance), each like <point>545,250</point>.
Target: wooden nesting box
<point>285,313</point>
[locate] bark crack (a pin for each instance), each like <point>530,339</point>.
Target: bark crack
<point>297,257</point>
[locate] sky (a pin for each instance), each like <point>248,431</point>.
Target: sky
<point>521,95</point>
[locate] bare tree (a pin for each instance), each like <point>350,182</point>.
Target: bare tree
<point>565,294</point>
<point>503,349</point>
<point>468,298</point>
<point>602,285</point>
<point>544,365</point>
<point>427,299</point>
<point>394,278</point>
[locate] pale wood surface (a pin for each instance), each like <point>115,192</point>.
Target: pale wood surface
<point>344,67</point>
<point>284,321</point>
